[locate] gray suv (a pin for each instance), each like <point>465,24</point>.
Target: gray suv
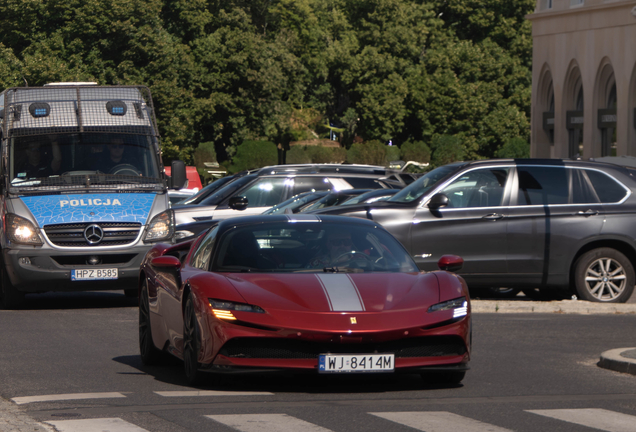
<point>523,223</point>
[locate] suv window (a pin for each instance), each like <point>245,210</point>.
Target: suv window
<point>607,189</point>
<point>306,184</point>
<point>362,183</point>
<point>477,188</point>
<point>265,192</point>
<point>542,185</point>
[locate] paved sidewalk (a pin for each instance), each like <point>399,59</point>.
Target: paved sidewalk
<point>558,306</point>
<point>13,419</point>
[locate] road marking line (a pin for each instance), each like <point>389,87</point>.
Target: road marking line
<point>438,421</point>
<point>210,393</point>
<point>596,418</point>
<point>266,423</point>
<point>95,425</point>
<point>62,397</point>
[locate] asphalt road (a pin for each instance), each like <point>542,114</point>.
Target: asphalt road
<point>530,372</point>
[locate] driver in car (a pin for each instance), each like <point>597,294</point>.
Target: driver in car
<point>114,155</point>
<point>339,244</point>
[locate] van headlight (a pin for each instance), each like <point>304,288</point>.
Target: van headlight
<point>161,227</point>
<point>22,231</point>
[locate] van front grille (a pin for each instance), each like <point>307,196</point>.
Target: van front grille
<point>113,234</point>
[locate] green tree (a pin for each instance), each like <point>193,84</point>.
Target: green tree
<point>254,154</point>
<point>416,151</point>
<point>514,148</point>
<point>446,149</point>
<point>371,153</point>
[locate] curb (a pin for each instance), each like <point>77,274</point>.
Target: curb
<point>618,360</point>
<point>14,419</point>
<point>580,307</point>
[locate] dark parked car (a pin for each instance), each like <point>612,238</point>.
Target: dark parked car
<point>523,223</point>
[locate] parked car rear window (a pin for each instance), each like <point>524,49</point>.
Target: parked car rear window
<point>607,189</point>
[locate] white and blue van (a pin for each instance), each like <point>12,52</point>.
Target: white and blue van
<point>83,194</point>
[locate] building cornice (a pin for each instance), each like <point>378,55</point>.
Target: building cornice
<point>549,13</point>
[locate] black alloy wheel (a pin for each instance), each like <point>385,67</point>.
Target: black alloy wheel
<point>10,297</point>
<point>604,275</point>
<point>191,344</point>
<point>150,355</point>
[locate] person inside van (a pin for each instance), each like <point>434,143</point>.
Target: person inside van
<point>114,154</point>
<point>42,159</point>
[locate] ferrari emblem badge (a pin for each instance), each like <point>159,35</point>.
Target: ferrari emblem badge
<point>353,320</point>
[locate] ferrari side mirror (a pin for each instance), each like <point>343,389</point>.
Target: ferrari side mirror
<point>166,262</point>
<point>451,263</point>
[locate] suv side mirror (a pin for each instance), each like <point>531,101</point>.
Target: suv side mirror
<point>177,175</point>
<point>238,203</point>
<point>437,201</point>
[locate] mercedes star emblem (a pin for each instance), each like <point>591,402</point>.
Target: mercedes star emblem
<point>93,234</point>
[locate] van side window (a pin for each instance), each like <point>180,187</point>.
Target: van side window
<point>607,189</point>
<point>542,185</point>
<point>477,188</point>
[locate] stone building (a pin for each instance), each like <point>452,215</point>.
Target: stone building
<point>583,78</point>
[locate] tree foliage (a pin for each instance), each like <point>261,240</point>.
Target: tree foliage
<point>231,71</point>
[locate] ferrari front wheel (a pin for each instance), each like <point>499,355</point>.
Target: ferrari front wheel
<point>150,355</point>
<point>191,344</point>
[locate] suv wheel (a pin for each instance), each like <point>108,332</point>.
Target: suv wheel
<point>604,275</point>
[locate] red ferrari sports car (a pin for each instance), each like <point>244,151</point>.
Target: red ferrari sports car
<point>324,294</point>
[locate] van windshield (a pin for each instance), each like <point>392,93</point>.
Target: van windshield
<point>78,158</point>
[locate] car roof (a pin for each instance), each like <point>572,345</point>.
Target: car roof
<point>230,223</point>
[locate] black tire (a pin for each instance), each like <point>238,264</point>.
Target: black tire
<point>604,275</point>
<point>131,293</point>
<point>503,292</point>
<point>150,355</point>
<point>10,297</point>
<point>191,344</point>
<point>445,377</point>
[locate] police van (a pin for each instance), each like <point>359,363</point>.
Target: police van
<point>83,191</point>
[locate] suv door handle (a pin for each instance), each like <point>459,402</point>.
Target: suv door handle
<point>493,216</point>
<point>589,212</point>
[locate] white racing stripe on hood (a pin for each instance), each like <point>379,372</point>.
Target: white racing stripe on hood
<point>341,292</point>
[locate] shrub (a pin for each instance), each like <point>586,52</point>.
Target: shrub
<point>514,148</point>
<point>446,149</point>
<point>392,154</point>
<point>370,152</point>
<point>416,151</point>
<point>254,154</point>
<point>319,154</point>
<point>297,155</point>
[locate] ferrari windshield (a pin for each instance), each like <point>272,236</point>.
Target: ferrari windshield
<point>309,246</point>
<point>68,158</point>
<point>419,187</point>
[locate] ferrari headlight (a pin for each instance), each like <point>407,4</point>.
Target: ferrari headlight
<point>223,309</point>
<point>160,228</point>
<point>22,231</point>
<point>459,306</point>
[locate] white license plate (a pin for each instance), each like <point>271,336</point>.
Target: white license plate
<point>333,363</point>
<point>93,274</point>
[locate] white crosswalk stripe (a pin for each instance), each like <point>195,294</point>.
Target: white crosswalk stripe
<point>65,397</point>
<point>596,418</point>
<point>266,423</point>
<point>95,425</point>
<point>438,421</point>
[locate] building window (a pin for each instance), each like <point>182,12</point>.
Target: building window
<point>574,3</point>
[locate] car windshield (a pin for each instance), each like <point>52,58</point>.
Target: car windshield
<point>67,159</point>
<point>310,246</point>
<point>333,199</point>
<point>418,188</point>
<point>295,202</point>
<point>207,190</point>
<point>371,197</point>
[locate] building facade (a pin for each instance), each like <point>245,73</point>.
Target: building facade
<point>583,78</point>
